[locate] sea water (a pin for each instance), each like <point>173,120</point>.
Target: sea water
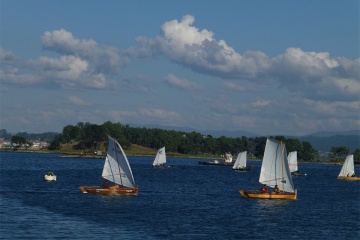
<point>185,201</point>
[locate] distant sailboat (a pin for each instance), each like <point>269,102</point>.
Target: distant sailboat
<point>348,171</point>
<point>274,172</point>
<point>240,163</point>
<point>50,176</point>
<point>160,159</point>
<point>293,164</point>
<point>117,170</point>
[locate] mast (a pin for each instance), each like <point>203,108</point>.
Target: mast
<point>282,163</point>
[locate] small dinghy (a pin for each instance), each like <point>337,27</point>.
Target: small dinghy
<point>50,176</point>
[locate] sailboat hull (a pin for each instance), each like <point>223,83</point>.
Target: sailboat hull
<point>269,195</point>
<point>109,191</point>
<point>349,178</point>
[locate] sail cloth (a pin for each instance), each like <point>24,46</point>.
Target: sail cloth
<point>275,168</point>
<point>117,168</point>
<point>240,161</point>
<point>160,157</point>
<point>293,164</point>
<point>348,167</point>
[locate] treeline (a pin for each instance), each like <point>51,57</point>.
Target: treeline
<point>87,136</point>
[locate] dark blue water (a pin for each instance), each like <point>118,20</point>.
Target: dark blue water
<point>186,201</point>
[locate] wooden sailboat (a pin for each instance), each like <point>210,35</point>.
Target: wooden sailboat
<point>348,171</point>
<point>274,172</point>
<point>240,163</point>
<point>117,170</point>
<point>160,159</point>
<point>293,164</point>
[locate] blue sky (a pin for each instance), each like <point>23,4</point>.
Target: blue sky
<point>267,67</point>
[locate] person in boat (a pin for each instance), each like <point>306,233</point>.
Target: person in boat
<point>105,185</point>
<point>353,175</point>
<point>264,189</point>
<point>276,189</point>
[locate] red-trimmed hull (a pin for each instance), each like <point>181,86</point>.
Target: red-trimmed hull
<point>269,195</point>
<point>109,191</point>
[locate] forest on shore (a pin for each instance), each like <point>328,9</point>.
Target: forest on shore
<point>89,138</point>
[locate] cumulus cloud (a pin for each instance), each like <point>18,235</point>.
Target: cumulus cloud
<point>313,74</point>
<point>181,83</point>
<point>103,58</point>
<point>82,64</point>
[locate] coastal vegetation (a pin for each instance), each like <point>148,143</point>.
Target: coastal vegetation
<point>87,138</point>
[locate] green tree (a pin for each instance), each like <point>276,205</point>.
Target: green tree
<point>339,152</point>
<point>309,153</point>
<point>357,155</point>
<point>18,140</point>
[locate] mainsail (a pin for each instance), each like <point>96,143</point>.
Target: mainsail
<point>275,168</point>
<point>160,157</point>
<point>347,169</point>
<point>293,165</point>
<point>116,168</point>
<point>240,161</point>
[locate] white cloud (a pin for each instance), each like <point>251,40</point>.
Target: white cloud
<point>314,74</point>
<point>181,83</point>
<point>104,59</point>
<point>260,103</point>
<point>74,100</point>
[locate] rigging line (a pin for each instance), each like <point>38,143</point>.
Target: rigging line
<point>117,160</point>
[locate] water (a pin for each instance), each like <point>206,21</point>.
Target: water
<point>186,201</point>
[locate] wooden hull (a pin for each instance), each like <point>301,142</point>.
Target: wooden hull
<point>350,178</point>
<point>109,191</point>
<point>217,163</point>
<point>244,169</point>
<point>161,166</point>
<point>269,195</point>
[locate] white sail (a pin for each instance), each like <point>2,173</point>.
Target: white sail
<point>117,168</point>
<point>240,161</point>
<point>293,164</point>
<point>348,167</point>
<point>160,157</point>
<point>275,168</point>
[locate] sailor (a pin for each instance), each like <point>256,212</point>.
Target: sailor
<point>264,189</point>
<point>276,189</point>
<point>105,185</point>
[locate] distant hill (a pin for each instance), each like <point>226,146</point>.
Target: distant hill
<point>335,133</point>
<point>324,144</point>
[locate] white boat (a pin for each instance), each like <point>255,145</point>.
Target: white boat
<point>116,170</point>
<point>160,159</point>
<point>240,163</point>
<point>50,176</point>
<point>293,164</point>
<point>274,172</point>
<point>348,171</point>
<point>228,158</point>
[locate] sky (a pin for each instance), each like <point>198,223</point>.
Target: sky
<point>265,67</point>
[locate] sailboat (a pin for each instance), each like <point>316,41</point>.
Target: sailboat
<point>348,171</point>
<point>274,172</point>
<point>293,164</point>
<point>116,170</point>
<point>240,163</point>
<point>160,159</point>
